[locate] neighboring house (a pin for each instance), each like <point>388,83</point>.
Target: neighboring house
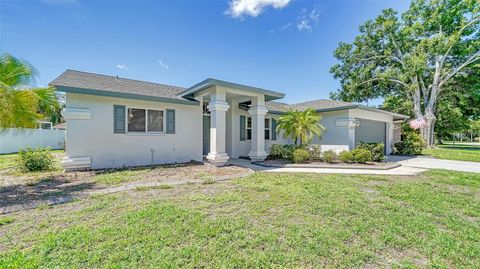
<point>114,122</point>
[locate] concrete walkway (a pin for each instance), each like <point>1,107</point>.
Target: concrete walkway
<point>399,171</point>
<point>432,163</point>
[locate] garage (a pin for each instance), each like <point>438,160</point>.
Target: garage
<point>370,131</point>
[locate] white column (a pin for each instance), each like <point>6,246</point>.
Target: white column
<point>218,108</point>
<point>389,138</point>
<point>350,123</point>
<point>258,112</point>
<point>351,133</point>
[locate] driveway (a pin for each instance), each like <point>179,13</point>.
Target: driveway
<point>432,163</point>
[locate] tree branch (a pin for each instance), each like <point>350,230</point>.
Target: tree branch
<point>459,32</point>
<point>386,79</point>
<point>471,59</point>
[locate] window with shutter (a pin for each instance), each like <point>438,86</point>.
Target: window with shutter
<point>242,128</point>
<point>170,121</point>
<point>118,119</point>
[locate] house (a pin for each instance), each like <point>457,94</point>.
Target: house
<point>114,122</point>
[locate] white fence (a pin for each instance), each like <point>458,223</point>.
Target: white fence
<point>14,139</point>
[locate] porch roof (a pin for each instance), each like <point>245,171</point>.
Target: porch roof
<point>209,82</point>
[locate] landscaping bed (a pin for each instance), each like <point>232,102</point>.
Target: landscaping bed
<point>287,164</point>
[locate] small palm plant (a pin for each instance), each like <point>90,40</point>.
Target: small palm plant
<point>301,126</point>
<point>20,105</point>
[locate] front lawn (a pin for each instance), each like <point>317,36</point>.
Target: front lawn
<point>458,151</point>
<point>265,220</point>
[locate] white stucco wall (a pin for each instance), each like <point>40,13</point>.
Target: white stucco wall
<point>94,137</point>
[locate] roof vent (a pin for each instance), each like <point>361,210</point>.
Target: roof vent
<point>117,76</point>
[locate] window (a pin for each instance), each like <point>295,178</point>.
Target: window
<point>144,121</point>
<point>267,128</point>
<point>249,128</point>
<point>155,121</point>
<point>136,120</point>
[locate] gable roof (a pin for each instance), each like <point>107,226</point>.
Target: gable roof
<point>209,82</point>
<point>91,83</point>
<point>324,105</point>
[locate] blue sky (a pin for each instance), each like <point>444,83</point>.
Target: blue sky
<point>279,45</point>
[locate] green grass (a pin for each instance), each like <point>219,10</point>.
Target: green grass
<point>6,220</point>
<point>7,160</point>
<point>457,151</point>
<point>265,220</point>
<point>118,176</point>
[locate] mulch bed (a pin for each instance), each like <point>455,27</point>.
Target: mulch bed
<point>286,164</point>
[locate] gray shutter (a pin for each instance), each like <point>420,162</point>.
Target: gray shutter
<point>242,128</point>
<point>170,121</point>
<point>274,129</point>
<point>118,119</point>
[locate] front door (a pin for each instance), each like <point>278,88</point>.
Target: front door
<point>206,134</point>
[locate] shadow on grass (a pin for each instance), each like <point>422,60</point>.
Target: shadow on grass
<point>44,189</point>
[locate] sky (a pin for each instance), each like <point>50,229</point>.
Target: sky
<point>279,45</point>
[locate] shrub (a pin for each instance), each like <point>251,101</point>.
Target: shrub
<point>314,152</point>
<point>346,156</point>
<point>376,149</point>
<point>329,156</point>
<point>276,151</point>
<point>361,155</point>
<point>38,159</point>
<point>412,144</point>
<point>288,152</point>
<point>300,155</point>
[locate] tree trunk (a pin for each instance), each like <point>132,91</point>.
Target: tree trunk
<point>428,131</point>
<point>439,138</point>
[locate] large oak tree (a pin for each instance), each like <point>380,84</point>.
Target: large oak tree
<point>420,54</point>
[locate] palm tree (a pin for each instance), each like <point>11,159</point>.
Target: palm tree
<point>20,105</point>
<point>301,126</point>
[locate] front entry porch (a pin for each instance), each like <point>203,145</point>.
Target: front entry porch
<point>224,107</point>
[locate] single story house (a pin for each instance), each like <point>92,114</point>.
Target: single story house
<point>115,122</point>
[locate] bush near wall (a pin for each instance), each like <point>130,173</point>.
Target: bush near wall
<point>377,150</point>
<point>412,144</point>
<point>32,160</point>
<point>300,155</point>
<point>361,155</point>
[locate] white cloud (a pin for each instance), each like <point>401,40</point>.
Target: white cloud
<point>253,8</point>
<point>308,19</point>
<point>122,66</point>
<point>163,65</point>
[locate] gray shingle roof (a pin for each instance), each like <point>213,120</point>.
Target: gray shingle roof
<point>91,81</point>
<point>320,104</point>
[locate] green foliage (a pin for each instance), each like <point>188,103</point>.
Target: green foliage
<point>346,156</point>
<point>301,126</point>
<point>276,151</point>
<point>314,152</point>
<point>21,106</point>
<point>288,151</point>
<point>420,58</point>
<point>412,143</point>
<point>6,220</point>
<point>376,149</point>
<point>329,156</point>
<point>361,155</point>
<point>300,155</point>
<point>32,160</point>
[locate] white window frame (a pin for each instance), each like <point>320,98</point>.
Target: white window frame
<point>248,128</point>
<point>269,128</point>
<point>146,121</point>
